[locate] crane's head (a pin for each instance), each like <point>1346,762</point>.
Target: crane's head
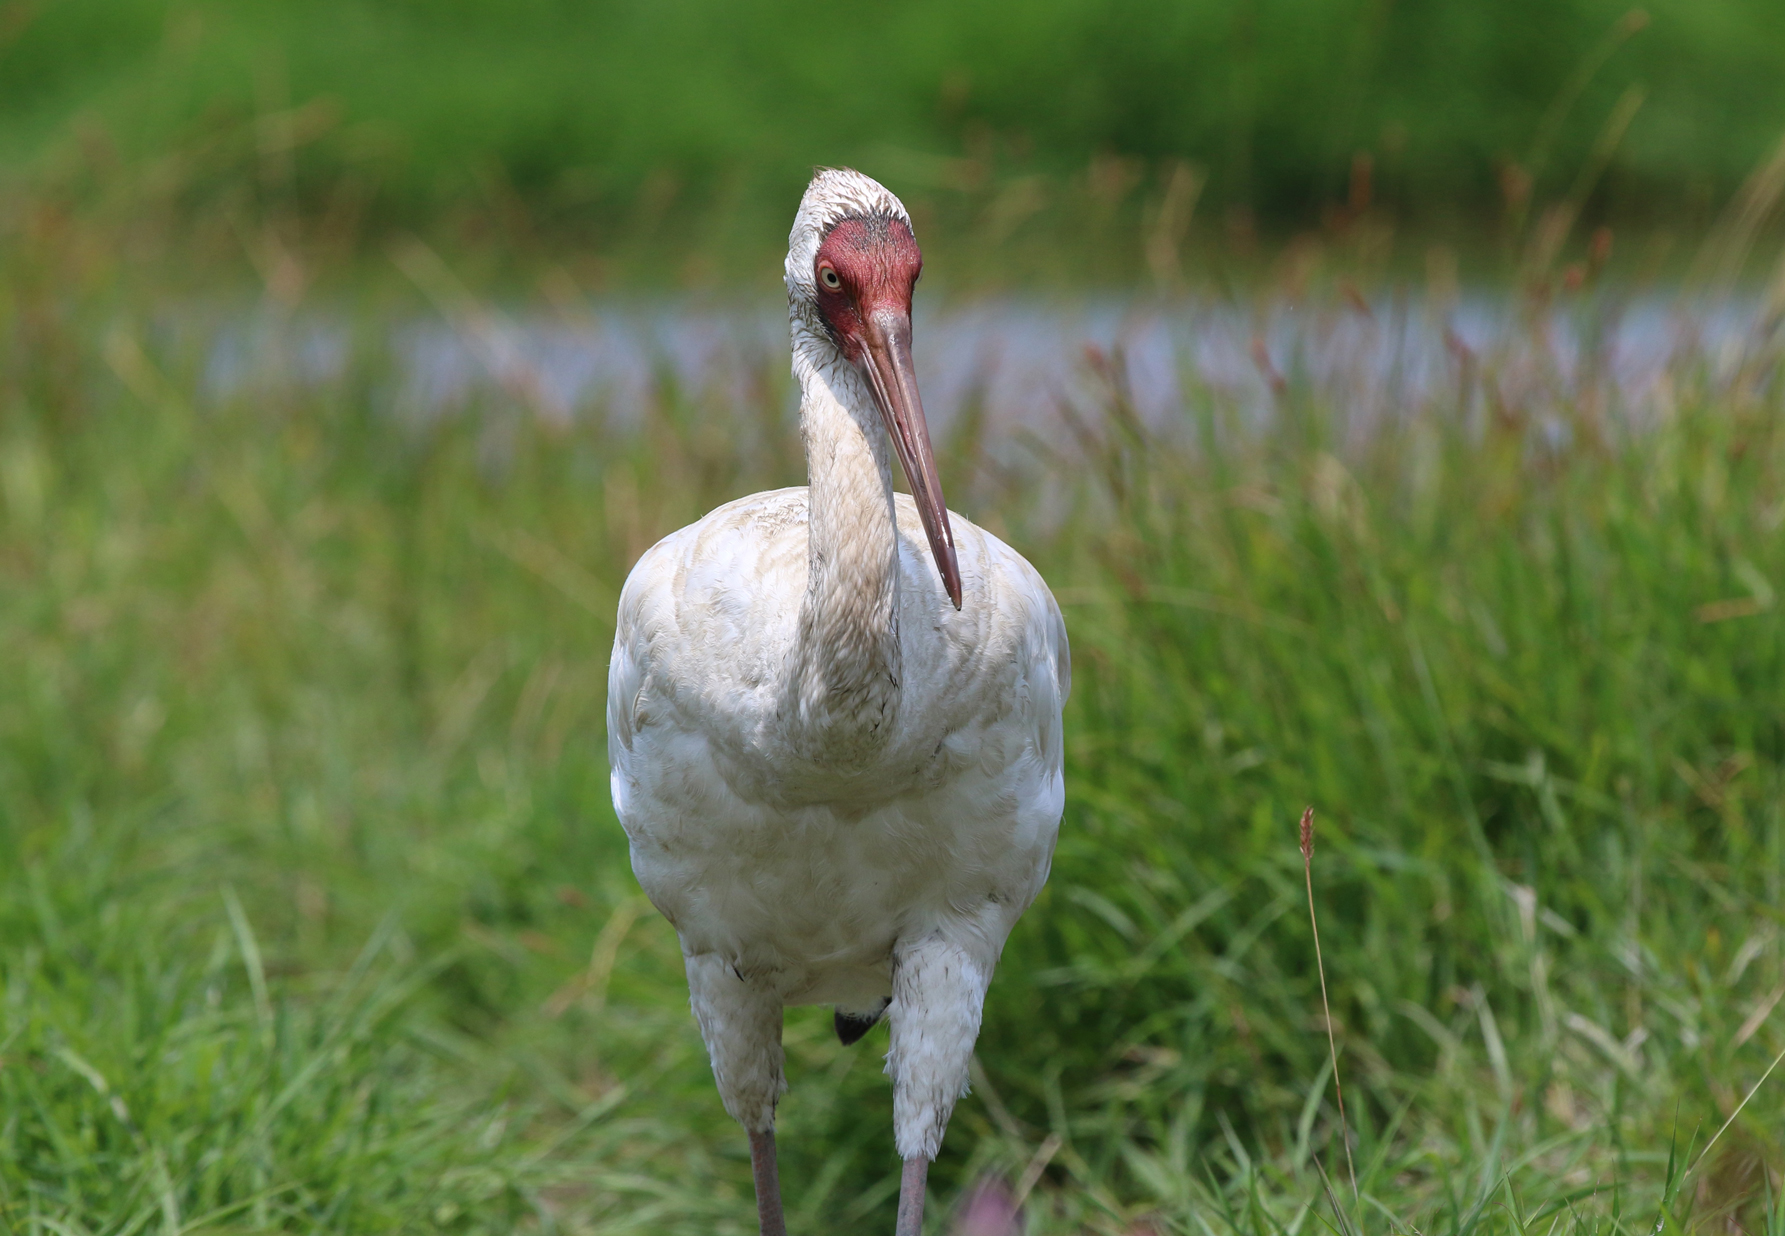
<point>852,262</point>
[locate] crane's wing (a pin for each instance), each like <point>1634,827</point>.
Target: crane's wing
<point>646,608</point>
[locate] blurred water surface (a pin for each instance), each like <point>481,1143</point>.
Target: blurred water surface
<point>1034,365</point>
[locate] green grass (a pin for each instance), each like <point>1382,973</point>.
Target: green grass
<point>314,916</point>
<point>592,114</point>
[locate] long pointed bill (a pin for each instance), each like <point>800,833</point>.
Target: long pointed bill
<point>887,360</point>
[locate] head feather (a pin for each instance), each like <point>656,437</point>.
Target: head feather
<point>835,194</point>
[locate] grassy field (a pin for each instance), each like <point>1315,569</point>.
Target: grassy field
<point>314,915</point>
<point>593,114</point>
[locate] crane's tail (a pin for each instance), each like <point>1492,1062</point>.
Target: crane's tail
<point>852,1024</point>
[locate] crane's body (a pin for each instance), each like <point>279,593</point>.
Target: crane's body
<point>839,768</point>
<point>798,869</point>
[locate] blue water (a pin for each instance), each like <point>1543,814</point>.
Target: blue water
<point>1023,360</point>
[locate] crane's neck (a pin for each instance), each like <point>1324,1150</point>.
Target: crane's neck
<point>844,688</point>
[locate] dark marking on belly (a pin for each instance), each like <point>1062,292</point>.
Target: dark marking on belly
<point>851,1026</point>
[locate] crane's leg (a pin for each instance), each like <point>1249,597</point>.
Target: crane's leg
<point>911,1191</point>
<point>740,1020</point>
<point>939,988</point>
<point>768,1184</point>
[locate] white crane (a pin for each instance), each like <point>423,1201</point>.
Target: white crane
<point>836,755</point>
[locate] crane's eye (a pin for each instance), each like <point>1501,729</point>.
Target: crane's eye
<point>828,276</point>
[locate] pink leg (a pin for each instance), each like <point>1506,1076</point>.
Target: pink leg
<point>911,1187</point>
<point>768,1183</point>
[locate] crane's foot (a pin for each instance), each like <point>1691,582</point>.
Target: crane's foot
<point>768,1184</point>
<point>911,1188</point>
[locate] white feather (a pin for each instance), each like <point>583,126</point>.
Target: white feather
<point>837,787</point>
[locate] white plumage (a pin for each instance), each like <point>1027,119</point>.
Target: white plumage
<point>839,786</point>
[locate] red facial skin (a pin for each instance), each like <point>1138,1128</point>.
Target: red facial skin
<point>864,273</point>
<point>876,263</point>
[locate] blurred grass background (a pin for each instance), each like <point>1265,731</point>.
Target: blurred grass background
<point>602,122</point>
<point>313,913</point>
